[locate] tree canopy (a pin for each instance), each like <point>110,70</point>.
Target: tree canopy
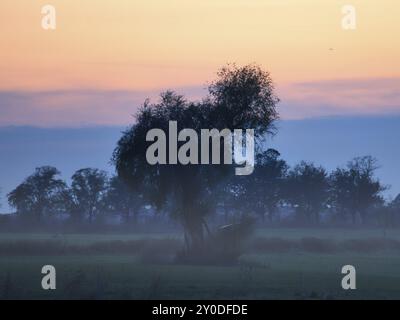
<point>240,98</point>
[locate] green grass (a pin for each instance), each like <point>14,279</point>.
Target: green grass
<point>292,275</point>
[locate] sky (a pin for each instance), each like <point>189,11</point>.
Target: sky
<point>106,57</point>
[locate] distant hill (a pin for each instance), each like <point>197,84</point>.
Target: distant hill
<point>326,141</point>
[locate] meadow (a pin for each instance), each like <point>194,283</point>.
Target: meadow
<point>276,264</point>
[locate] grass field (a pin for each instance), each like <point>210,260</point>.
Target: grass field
<point>113,274</point>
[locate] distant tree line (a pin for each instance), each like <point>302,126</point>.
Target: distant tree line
<point>304,194</point>
<point>91,195</point>
<point>308,193</point>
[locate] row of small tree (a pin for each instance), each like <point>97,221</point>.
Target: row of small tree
<point>90,195</point>
<point>306,191</point>
<point>348,194</point>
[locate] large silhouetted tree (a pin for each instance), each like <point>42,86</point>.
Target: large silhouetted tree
<point>41,194</point>
<point>240,98</point>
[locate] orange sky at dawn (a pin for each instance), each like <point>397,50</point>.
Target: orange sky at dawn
<point>158,44</point>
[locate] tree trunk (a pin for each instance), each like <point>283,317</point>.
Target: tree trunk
<point>353,217</point>
<point>194,234</point>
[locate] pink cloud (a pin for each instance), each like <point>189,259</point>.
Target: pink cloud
<point>94,107</point>
<point>340,97</point>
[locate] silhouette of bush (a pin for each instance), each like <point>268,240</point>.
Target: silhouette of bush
<point>222,247</point>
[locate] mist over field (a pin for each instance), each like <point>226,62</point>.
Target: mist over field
<point>329,141</point>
